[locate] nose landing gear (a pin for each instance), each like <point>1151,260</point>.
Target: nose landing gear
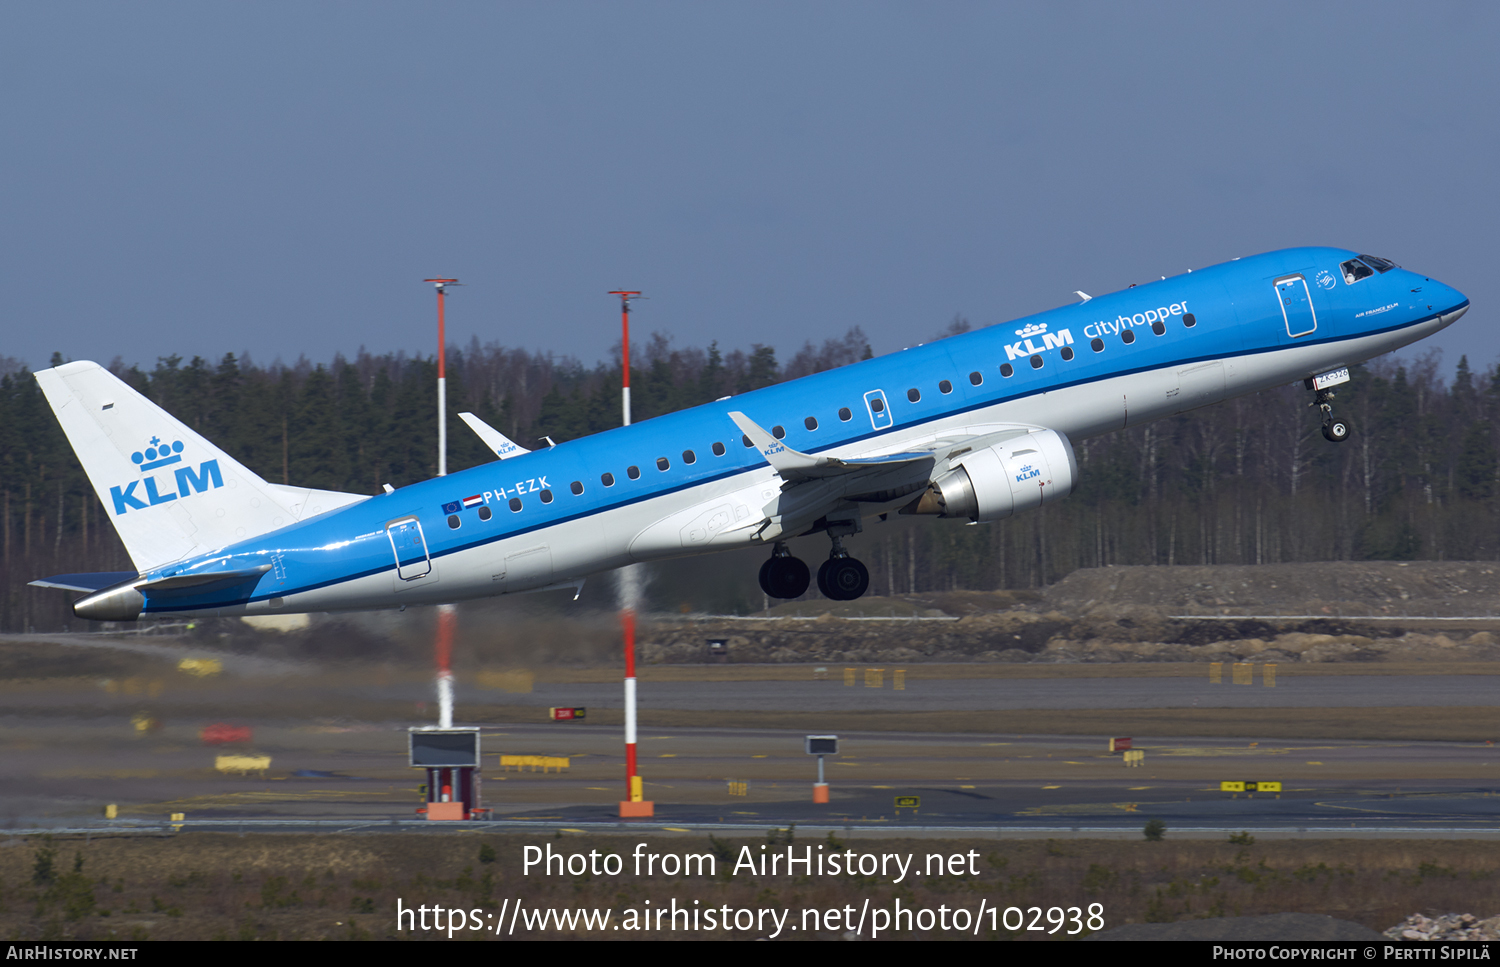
<point>784,576</point>
<point>1334,430</point>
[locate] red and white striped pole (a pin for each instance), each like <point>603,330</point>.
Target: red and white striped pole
<point>634,804</point>
<point>446,613</point>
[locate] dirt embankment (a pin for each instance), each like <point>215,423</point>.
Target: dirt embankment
<point>1379,611</point>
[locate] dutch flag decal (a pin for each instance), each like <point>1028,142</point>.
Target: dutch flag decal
<point>473,501</point>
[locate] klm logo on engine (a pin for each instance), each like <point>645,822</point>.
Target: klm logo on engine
<point>1050,340</point>
<point>184,481</point>
<point>1027,472</point>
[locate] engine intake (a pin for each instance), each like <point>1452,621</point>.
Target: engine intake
<point>1004,479</point>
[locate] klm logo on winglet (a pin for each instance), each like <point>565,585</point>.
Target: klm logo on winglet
<point>154,457</point>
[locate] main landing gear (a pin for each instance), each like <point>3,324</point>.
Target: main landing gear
<point>784,576</point>
<point>840,578</point>
<point>1334,429</point>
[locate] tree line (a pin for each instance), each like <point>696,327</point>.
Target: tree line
<point>1246,481</point>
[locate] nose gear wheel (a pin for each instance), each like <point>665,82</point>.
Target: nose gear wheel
<point>1334,430</point>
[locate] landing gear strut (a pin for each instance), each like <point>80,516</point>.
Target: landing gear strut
<point>784,576</point>
<point>1334,430</point>
<point>842,578</point>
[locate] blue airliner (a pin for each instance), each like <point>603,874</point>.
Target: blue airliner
<point>976,427</point>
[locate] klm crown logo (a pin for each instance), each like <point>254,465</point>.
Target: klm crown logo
<point>1032,329</point>
<point>184,481</point>
<point>158,454</point>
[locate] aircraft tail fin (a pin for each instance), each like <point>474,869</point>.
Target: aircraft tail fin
<point>169,492</point>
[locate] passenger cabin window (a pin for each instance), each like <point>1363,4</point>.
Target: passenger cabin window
<point>515,504</point>
<point>811,422</point>
<point>1159,327</point>
<point>1007,370</point>
<point>1097,345</point>
<point>485,513</point>
<point>845,414</point>
<point>1127,337</point>
<point>877,405</point>
<point>634,473</point>
<point>914,394</point>
<point>662,463</point>
<point>689,457</point>
<point>779,432</point>
<point>607,479</point>
<point>1067,353</point>
<point>546,499</point>
<point>577,487</point>
<point>1189,320</point>
<point>945,387</point>
<point>746,439</point>
<point>718,449</point>
<point>1036,362</point>
<point>976,378</point>
<point>453,521</point>
<point>1354,270</point>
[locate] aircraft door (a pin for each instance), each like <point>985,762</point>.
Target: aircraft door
<point>879,409</point>
<point>1296,305</point>
<point>410,548</point>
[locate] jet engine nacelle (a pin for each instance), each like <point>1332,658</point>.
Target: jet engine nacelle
<point>1003,479</point>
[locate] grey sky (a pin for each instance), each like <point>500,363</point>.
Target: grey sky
<point>279,177</point>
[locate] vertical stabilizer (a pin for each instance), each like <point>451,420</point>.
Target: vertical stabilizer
<point>169,492</point>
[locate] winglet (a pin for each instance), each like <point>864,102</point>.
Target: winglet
<point>1082,295</point>
<point>791,464</point>
<point>499,444</point>
<point>796,466</point>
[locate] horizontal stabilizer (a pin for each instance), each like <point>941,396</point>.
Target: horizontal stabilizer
<point>500,444</point>
<point>795,465</point>
<point>84,582</point>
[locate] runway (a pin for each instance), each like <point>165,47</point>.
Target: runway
<point>337,749</point>
<point>1299,691</point>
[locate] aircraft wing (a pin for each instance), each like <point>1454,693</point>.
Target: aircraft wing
<point>500,444</point>
<point>793,465</point>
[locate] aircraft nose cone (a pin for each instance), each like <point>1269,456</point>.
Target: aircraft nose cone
<point>1445,300</point>
<point>1455,297</point>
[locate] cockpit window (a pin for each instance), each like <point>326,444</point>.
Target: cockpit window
<point>1377,263</point>
<point>1354,270</point>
